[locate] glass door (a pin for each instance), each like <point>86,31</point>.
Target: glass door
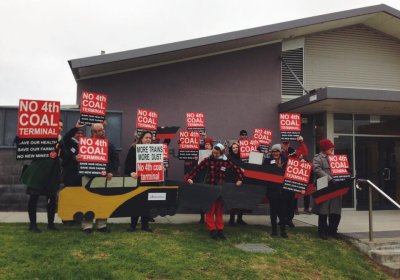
<point>378,159</point>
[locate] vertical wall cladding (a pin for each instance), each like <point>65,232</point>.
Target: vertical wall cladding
<point>238,90</point>
<point>355,56</point>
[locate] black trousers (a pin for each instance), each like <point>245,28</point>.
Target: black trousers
<point>144,220</point>
<point>32,209</point>
<point>280,207</point>
<point>328,224</point>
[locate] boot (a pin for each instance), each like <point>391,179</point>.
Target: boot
<point>232,220</point>
<point>220,234</point>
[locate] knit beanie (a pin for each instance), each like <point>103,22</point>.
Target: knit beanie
<point>325,144</point>
<point>276,147</point>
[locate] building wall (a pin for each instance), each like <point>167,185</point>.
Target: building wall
<point>238,90</point>
<point>355,56</point>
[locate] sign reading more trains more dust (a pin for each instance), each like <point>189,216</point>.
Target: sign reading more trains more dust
<point>150,162</point>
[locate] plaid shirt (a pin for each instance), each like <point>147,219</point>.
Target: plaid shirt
<point>216,170</point>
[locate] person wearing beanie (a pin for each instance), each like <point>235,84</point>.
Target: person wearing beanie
<point>329,212</point>
<point>234,156</point>
<point>279,199</point>
<point>216,165</point>
<point>208,143</point>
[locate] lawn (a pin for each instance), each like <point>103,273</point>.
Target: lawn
<point>175,252</point>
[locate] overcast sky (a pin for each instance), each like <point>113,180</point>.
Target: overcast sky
<point>37,38</point>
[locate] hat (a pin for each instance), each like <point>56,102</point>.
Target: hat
<point>325,144</point>
<point>219,147</point>
<point>276,147</point>
<point>209,140</point>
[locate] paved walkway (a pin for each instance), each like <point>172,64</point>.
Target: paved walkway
<point>354,223</point>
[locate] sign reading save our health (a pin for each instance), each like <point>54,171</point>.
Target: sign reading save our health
<point>297,175</point>
<point>195,121</point>
<point>189,144</point>
<point>93,156</point>
<point>149,162</point>
<point>38,129</point>
<point>264,138</point>
<point>290,126</point>
<point>339,165</point>
<point>93,107</point>
<point>146,120</point>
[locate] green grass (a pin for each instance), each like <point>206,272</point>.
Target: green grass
<point>175,252</point>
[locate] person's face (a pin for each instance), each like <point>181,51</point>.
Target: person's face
<point>275,154</point>
<point>216,153</point>
<point>78,134</point>
<point>243,136</point>
<point>147,138</point>
<point>207,146</point>
<point>235,149</point>
<point>330,151</point>
<point>98,132</point>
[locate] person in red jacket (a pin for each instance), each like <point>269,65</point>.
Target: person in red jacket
<point>217,165</point>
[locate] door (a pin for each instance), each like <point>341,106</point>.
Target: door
<point>378,159</point>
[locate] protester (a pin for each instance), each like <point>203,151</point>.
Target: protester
<point>300,154</point>
<point>234,156</point>
<point>280,200</point>
<point>130,170</point>
<point>98,131</point>
<point>328,211</point>
<point>243,135</point>
<point>70,164</point>
<point>43,177</point>
<point>216,164</point>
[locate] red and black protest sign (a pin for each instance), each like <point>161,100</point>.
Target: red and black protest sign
<point>339,167</point>
<point>93,156</point>
<point>297,175</point>
<point>93,107</point>
<point>264,138</point>
<point>149,162</point>
<point>246,147</point>
<point>146,120</point>
<point>195,121</point>
<point>189,144</point>
<point>165,155</point>
<point>38,129</point>
<point>290,126</point>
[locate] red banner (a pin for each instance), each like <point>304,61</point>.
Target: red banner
<point>165,155</point>
<point>290,126</point>
<point>195,121</point>
<point>149,162</point>
<point>247,146</point>
<point>297,175</point>
<point>38,119</point>
<point>339,167</point>
<point>189,144</point>
<point>263,136</point>
<point>146,120</point>
<point>93,107</point>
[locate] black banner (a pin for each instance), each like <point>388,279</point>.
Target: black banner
<point>36,148</point>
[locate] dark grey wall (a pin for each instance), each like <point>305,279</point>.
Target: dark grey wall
<point>238,90</point>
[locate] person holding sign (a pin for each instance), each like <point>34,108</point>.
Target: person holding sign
<point>280,199</point>
<point>332,208</point>
<point>216,165</point>
<point>43,177</point>
<point>130,170</point>
<point>98,132</point>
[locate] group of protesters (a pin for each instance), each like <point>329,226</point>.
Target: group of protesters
<point>44,176</point>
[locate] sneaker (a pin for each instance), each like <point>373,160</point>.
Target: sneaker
<point>221,235</point>
<point>52,227</point>
<point>213,234</point>
<point>34,229</point>
<point>87,230</point>
<point>104,230</point>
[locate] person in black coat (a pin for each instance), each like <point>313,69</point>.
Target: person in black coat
<point>279,199</point>
<point>130,170</point>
